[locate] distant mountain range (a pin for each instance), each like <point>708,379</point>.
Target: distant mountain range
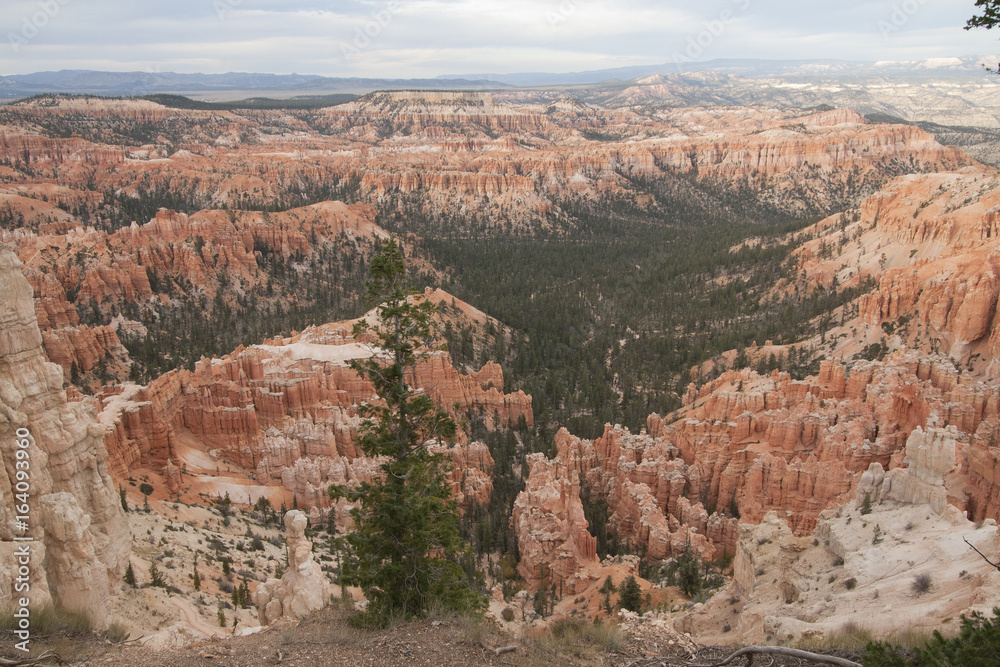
<point>241,84</point>
<point>929,68</point>
<point>222,86</point>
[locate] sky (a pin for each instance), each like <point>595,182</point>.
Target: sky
<point>428,38</point>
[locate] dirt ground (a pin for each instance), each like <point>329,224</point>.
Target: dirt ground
<point>325,638</point>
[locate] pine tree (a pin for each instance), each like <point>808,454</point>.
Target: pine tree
<point>866,505</point>
<point>989,19</point>
<point>130,576</point>
<point>630,595</point>
<point>689,573</point>
<point>977,645</point>
<point>241,595</point>
<point>155,577</point>
<point>541,600</point>
<point>405,551</point>
<point>197,578</point>
<point>121,495</point>
<point>607,589</point>
<point>146,490</point>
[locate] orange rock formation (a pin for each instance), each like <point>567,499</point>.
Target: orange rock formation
<point>288,413</point>
<point>746,445</point>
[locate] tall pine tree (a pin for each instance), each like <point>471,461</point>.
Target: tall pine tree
<point>405,550</point>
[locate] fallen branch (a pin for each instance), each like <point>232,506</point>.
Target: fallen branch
<point>780,650</point>
<point>504,649</point>
<point>996,565</point>
<point>46,658</point>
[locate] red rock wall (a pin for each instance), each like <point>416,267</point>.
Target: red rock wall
<point>757,444</point>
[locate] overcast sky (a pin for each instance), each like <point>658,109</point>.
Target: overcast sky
<point>426,38</point>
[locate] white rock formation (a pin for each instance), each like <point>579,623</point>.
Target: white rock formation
<point>65,454</point>
<point>303,588</point>
<point>75,573</point>
<point>930,457</point>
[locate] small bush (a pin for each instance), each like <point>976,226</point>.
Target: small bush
<point>472,628</point>
<point>921,583</point>
<point>507,614</point>
<point>850,636</point>
<point>850,584</point>
<point>116,633</point>
<point>50,620</point>
<point>573,634</point>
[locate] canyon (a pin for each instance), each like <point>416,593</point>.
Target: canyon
<point>112,248</point>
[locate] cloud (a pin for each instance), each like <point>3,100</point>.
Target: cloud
<point>409,38</point>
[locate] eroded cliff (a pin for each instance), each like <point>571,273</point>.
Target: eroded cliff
<point>60,494</point>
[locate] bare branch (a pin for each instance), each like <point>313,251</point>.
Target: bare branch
<point>48,657</point>
<point>781,650</point>
<point>996,565</point>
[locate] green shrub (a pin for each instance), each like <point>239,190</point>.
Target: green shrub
<point>50,620</point>
<point>977,645</point>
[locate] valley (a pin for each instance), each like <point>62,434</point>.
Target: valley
<point>664,326</point>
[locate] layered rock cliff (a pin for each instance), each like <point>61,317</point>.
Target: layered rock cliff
<point>929,242</point>
<point>59,493</point>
